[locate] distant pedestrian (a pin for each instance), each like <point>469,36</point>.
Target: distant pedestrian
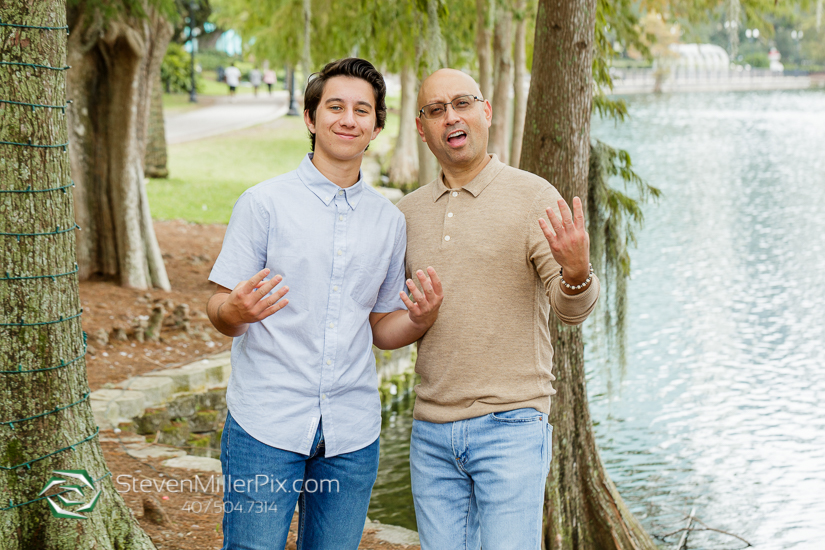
<point>255,79</point>
<point>270,79</point>
<point>233,78</point>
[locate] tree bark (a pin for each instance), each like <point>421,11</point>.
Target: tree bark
<point>432,51</point>
<point>38,325</point>
<point>582,506</point>
<point>502,75</point>
<point>519,72</point>
<point>154,165</point>
<point>113,71</point>
<point>404,164</point>
<point>306,57</point>
<point>485,14</point>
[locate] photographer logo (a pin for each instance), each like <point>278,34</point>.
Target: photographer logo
<point>76,485</point>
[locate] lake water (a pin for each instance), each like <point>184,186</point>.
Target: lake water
<point>721,404</point>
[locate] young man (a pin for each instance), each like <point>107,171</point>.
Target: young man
<point>481,444</point>
<point>304,413</point>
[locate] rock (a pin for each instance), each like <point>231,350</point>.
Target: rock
<point>181,317</point>
<point>155,323</point>
<point>119,334</point>
<point>102,337</point>
<point>175,434</point>
<point>153,451</point>
<point>90,349</point>
<point>153,511</point>
<point>199,463</point>
<point>151,421</point>
<point>203,421</point>
<point>183,406</point>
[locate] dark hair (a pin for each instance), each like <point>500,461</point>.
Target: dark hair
<point>355,68</point>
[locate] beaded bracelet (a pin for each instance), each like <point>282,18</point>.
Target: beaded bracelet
<point>576,287</point>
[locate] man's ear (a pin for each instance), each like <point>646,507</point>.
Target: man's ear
<point>375,133</point>
<point>488,113</point>
<point>308,122</point>
<point>420,128</point>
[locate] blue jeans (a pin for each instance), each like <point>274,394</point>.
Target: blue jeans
<point>479,483</point>
<point>262,484</point>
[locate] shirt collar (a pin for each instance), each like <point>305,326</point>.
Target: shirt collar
<point>325,189</point>
<point>474,186</point>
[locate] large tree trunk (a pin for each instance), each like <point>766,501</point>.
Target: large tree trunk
<point>519,72</point>
<point>432,51</point>
<point>43,380</point>
<point>404,164</point>
<point>583,507</point>
<point>113,71</point>
<point>155,162</point>
<point>485,13</point>
<point>502,82</point>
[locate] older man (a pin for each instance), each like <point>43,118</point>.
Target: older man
<point>481,444</point>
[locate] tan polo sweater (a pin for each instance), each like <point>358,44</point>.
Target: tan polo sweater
<point>489,350</point>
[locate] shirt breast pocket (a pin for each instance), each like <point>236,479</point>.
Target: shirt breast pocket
<point>369,276</point>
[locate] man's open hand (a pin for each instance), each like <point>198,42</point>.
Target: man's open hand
<point>424,311</point>
<point>570,244</point>
<point>249,303</point>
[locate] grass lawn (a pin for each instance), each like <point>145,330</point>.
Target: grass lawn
<point>208,175</point>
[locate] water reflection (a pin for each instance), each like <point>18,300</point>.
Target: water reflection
<point>719,407</point>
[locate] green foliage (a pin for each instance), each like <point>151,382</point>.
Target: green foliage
<point>210,60</point>
<point>757,60</point>
<point>200,14</point>
<point>174,71</point>
<point>110,9</point>
<point>612,220</point>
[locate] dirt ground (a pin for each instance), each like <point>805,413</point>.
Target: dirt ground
<point>189,251</point>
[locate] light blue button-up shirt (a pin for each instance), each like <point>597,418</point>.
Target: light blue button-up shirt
<point>341,252</point>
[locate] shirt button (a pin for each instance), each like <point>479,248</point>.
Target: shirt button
<point>455,193</point>
<point>447,238</point>
<point>323,396</point>
<point>340,252</point>
<point>329,361</point>
<point>328,198</point>
<point>341,192</point>
<point>341,218</point>
<point>450,215</point>
<point>335,289</point>
<point>332,325</point>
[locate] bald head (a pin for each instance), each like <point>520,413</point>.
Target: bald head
<point>446,84</point>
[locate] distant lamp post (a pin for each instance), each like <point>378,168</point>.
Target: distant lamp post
<point>193,94</point>
<point>293,102</point>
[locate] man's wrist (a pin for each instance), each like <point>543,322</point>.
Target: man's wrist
<point>575,281</point>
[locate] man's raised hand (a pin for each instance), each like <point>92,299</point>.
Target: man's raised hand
<point>424,311</point>
<point>249,303</point>
<point>570,244</point>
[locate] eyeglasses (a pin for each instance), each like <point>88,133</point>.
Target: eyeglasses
<point>437,110</point>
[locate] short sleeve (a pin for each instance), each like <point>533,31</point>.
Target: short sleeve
<point>388,295</point>
<point>243,253</point>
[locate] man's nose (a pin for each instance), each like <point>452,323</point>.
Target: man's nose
<point>349,118</point>
<point>450,115</point>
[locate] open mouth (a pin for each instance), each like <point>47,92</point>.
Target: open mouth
<point>457,138</point>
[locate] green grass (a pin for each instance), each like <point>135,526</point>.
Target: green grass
<point>207,176</point>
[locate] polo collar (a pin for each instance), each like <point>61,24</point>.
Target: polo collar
<point>325,189</point>
<point>476,185</point>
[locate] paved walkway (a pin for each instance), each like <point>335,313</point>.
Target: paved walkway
<point>225,116</point>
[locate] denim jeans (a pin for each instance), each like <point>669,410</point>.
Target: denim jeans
<point>479,483</point>
<point>262,485</point>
